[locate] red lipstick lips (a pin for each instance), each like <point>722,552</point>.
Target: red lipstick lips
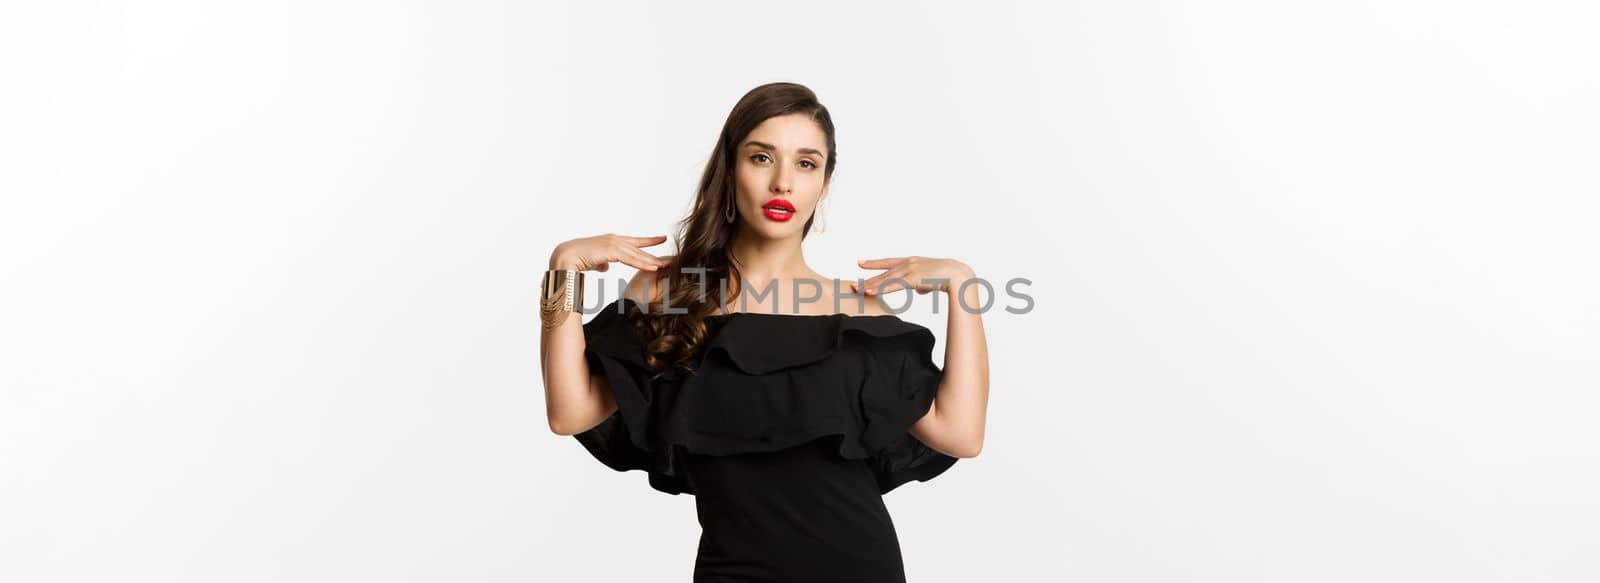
<point>778,209</point>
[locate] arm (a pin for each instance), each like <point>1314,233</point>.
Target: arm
<point>954,424</point>
<point>576,398</point>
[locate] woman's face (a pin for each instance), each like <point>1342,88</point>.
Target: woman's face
<point>782,160</point>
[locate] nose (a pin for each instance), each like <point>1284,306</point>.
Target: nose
<point>780,181</point>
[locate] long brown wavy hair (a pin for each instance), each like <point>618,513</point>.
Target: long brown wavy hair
<point>704,236</point>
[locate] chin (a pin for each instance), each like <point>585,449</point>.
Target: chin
<point>767,229</point>
<point>786,230</point>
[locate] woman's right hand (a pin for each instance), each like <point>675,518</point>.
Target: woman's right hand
<point>596,253</point>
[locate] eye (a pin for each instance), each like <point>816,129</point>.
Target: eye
<point>813,164</point>
<point>753,158</point>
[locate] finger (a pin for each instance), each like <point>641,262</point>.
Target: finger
<point>639,259</point>
<point>881,283</point>
<point>888,286</point>
<point>650,241</point>
<point>657,260</point>
<point>881,263</point>
<point>652,258</point>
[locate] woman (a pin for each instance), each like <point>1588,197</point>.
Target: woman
<point>786,424</point>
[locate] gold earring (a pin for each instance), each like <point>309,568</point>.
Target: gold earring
<point>730,212</point>
<point>822,217</point>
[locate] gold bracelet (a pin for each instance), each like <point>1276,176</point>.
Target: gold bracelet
<point>563,289</point>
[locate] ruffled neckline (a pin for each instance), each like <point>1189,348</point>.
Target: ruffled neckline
<point>778,315</point>
<point>629,304</point>
<point>744,338</point>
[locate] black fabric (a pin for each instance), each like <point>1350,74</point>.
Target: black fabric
<point>788,432</point>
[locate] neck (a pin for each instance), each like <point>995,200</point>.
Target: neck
<point>763,260</point>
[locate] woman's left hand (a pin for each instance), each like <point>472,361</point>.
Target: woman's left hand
<point>923,274</point>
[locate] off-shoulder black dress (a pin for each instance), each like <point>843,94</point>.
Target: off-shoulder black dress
<point>788,433</point>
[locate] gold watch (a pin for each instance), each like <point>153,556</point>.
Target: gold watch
<point>563,289</point>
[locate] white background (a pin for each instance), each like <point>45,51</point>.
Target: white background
<point>1314,282</point>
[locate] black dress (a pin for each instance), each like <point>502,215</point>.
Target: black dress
<point>788,433</point>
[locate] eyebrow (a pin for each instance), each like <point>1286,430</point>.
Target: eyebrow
<point>774,148</point>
